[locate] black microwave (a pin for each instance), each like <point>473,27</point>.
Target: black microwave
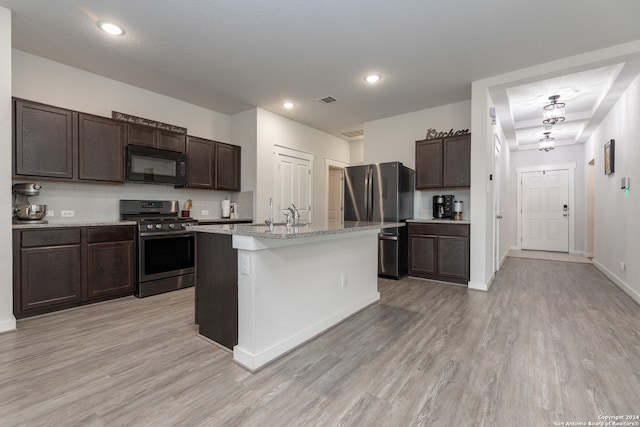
<point>153,166</point>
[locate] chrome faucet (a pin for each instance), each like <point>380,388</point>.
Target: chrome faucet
<point>296,214</point>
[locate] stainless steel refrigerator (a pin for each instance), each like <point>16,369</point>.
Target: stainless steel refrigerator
<point>382,192</point>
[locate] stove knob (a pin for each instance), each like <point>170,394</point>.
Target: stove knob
<point>184,225</point>
<point>158,226</point>
<point>172,225</point>
<point>149,226</point>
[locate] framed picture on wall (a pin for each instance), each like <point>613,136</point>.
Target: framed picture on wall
<point>609,155</point>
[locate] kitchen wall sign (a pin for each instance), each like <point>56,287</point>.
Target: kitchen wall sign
<point>146,122</point>
<point>434,134</point>
<point>609,155</point>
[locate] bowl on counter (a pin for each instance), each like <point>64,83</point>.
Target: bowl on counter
<point>30,212</point>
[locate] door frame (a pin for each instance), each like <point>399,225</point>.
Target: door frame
<point>571,167</point>
<point>497,202</point>
<point>337,164</point>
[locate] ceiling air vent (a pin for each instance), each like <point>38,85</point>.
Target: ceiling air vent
<point>353,133</point>
<point>326,100</point>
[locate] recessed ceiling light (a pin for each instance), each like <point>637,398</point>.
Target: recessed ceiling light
<point>372,78</point>
<point>110,28</point>
<point>288,105</point>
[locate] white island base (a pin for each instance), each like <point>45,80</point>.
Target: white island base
<point>291,290</point>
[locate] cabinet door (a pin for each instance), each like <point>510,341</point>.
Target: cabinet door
<point>43,138</point>
<point>110,269</point>
<point>457,162</point>
<point>423,251</point>
<point>429,164</point>
<point>100,148</point>
<point>49,276</point>
<point>453,257</point>
<point>199,162</point>
<point>144,136</point>
<point>170,141</point>
<point>227,167</point>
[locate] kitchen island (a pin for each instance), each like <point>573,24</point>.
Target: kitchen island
<point>291,284</point>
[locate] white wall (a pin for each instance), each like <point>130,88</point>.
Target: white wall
<point>573,154</point>
<point>275,130</point>
<point>617,229</point>
<point>7,321</point>
<point>49,82</point>
<point>394,139</point>
<point>356,152</point>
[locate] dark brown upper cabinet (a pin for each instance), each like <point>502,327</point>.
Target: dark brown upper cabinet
<point>211,164</point>
<point>100,148</point>
<point>147,136</point>
<point>52,142</point>
<point>43,140</point>
<point>227,167</point>
<point>443,163</point>
<point>200,162</point>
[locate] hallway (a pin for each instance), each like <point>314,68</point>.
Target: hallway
<point>551,342</point>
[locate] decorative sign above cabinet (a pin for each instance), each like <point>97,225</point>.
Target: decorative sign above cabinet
<point>146,122</point>
<point>434,134</point>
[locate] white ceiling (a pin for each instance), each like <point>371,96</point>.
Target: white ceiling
<point>230,55</point>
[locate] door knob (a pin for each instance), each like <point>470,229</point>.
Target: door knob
<point>565,215</point>
<point>499,216</point>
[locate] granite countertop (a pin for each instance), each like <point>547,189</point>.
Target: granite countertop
<point>284,232</point>
<point>438,221</point>
<point>58,224</point>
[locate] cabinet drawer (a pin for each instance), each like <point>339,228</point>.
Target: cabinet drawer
<point>110,234</point>
<point>461,230</point>
<point>57,237</point>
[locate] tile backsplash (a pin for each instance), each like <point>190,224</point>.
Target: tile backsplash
<point>96,202</point>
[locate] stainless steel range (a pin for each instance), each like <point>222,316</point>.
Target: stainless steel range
<point>166,247</point>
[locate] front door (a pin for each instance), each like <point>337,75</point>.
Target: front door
<point>545,210</point>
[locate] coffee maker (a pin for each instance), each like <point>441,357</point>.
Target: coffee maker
<point>443,206</point>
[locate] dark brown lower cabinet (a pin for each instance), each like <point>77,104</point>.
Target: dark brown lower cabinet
<point>58,268</point>
<point>439,251</point>
<point>110,264</point>
<point>217,289</point>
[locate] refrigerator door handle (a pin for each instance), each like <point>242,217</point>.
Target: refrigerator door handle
<point>370,194</point>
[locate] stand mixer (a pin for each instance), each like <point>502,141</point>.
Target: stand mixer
<point>26,212</point>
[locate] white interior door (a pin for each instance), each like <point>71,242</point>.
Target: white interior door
<point>293,183</point>
<point>545,210</point>
<point>335,199</point>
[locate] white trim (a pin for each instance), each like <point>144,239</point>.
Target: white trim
<point>8,325</point>
<point>571,167</point>
<point>328,163</point>
<point>618,282</point>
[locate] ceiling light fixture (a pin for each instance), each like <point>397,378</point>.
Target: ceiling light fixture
<point>110,28</point>
<point>554,112</point>
<point>372,78</point>
<point>288,105</point>
<point>547,143</point>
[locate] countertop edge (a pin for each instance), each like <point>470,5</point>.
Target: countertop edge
<point>282,232</point>
<point>438,221</point>
<point>73,224</point>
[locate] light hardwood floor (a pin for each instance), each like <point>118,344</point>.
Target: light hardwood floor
<point>551,342</point>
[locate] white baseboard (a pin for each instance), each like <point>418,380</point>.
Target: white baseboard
<point>575,252</point>
<point>618,282</point>
<point>8,325</point>
<point>478,286</point>
<point>254,361</point>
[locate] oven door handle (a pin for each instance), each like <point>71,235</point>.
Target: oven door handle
<point>167,233</point>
